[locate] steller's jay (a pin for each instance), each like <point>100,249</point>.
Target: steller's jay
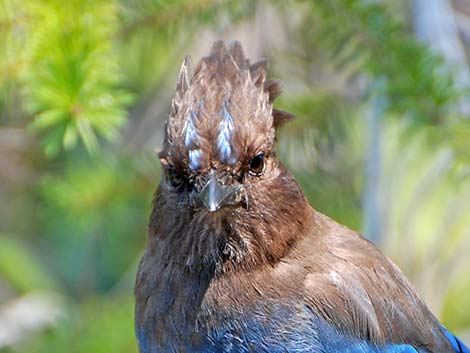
<point>238,261</point>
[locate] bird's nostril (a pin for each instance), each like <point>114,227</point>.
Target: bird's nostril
<point>216,193</point>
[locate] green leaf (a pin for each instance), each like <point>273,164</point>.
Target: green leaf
<point>87,135</point>
<point>70,137</point>
<point>48,118</point>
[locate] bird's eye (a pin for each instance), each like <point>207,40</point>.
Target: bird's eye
<point>257,165</point>
<point>175,179</point>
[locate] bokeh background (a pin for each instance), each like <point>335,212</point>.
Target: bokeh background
<point>381,143</point>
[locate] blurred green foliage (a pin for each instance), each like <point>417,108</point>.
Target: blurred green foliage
<point>374,43</point>
<point>16,258</point>
<point>78,80</point>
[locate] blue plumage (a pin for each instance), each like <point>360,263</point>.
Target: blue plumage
<point>457,344</point>
<point>289,332</point>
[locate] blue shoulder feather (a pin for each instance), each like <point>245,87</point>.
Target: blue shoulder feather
<point>457,344</point>
<point>291,333</point>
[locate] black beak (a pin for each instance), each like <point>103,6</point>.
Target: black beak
<point>215,195</point>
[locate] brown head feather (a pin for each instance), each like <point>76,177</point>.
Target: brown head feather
<point>222,89</point>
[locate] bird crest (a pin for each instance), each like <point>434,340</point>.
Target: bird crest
<point>221,111</point>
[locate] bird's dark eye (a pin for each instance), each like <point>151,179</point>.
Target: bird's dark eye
<point>257,164</point>
<point>175,179</point>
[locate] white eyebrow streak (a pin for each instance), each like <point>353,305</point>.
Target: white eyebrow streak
<point>191,133</point>
<point>195,159</point>
<point>226,128</point>
<point>190,138</point>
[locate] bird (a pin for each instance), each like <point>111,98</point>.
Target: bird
<point>237,260</point>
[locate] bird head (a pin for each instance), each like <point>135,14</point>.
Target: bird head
<point>221,130</point>
<point>219,160</point>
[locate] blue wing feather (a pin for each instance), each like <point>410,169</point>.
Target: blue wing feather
<point>457,344</point>
<point>288,333</point>
<point>292,334</point>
